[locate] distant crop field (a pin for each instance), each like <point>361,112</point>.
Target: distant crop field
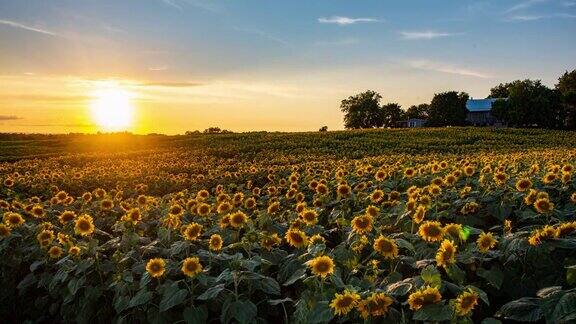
<point>383,226</point>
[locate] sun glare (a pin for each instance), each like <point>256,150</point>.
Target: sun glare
<point>111,107</point>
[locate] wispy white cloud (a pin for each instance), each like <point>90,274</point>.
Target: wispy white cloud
<point>429,65</point>
<point>568,4</point>
<point>264,34</point>
<point>343,21</point>
<point>426,34</point>
<point>172,3</point>
<point>520,18</point>
<point>524,5</point>
<point>16,24</point>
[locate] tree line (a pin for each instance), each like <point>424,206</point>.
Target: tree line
<point>524,103</point>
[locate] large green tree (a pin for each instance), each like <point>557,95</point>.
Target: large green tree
<point>529,104</point>
<point>567,88</point>
<point>420,111</point>
<point>363,110</point>
<point>448,109</point>
<point>393,113</point>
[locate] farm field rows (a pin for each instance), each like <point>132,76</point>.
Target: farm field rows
<point>389,226</point>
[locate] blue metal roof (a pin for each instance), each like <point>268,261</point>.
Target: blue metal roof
<point>474,105</point>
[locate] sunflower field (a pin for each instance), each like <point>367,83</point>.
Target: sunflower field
<point>454,225</point>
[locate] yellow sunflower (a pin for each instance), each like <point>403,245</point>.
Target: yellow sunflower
<point>13,220</point>
<point>74,250</point>
<point>343,190</point>
<point>424,296</point>
<point>419,214</point>
<point>543,205</point>
<point>66,216</point>
<point>156,267</point>
<point>446,254</point>
<point>565,229</point>
<point>55,252</point>
<point>485,242</point>
<point>523,184</point>
<point>84,225</point>
<point>343,303</point>
<point>309,216</point>
<point>215,243</point>
<point>270,241</point>
<point>191,266</point>
<point>362,224</point>
<point>465,302</point>
<point>375,305</point>
<point>203,209</point>
<point>386,247</point>
<point>431,231</point>
<point>454,230</point>
<point>238,219</point>
<point>192,231</point>
<point>296,238</point>
<point>321,266</point>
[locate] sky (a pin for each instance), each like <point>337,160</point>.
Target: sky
<point>169,66</point>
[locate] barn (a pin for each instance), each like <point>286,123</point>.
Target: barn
<point>480,112</point>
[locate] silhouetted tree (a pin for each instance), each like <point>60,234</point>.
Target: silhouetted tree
<point>448,109</point>
<point>529,104</point>
<point>567,88</point>
<point>420,111</point>
<point>393,113</point>
<point>323,129</point>
<point>363,110</point>
<point>500,91</point>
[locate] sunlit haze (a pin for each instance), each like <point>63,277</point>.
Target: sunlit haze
<point>171,66</point>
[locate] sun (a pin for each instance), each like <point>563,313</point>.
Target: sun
<point>111,107</point>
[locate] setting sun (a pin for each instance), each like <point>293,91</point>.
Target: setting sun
<point>111,107</point>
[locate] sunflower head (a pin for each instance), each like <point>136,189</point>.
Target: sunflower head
<point>156,267</point>
<point>543,205</point>
<point>74,250</point>
<point>270,241</point>
<point>446,254</point>
<point>431,231</point>
<point>485,242</point>
<point>296,238</point>
<point>67,216</point>
<point>386,247</point>
<point>424,296</point>
<point>523,184</point>
<point>13,220</point>
<point>238,219</point>
<point>309,216</point>
<point>465,302</point>
<point>191,266</point>
<point>192,231</point>
<point>84,225</point>
<point>375,305</point>
<point>321,266</point>
<point>215,243</point>
<point>372,211</point>
<point>343,303</point>
<point>362,224</point>
<point>565,229</point>
<point>55,252</point>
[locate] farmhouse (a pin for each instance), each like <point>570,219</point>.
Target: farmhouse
<point>412,123</point>
<point>480,112</point>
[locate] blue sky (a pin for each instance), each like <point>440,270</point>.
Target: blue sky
<point>309,54</point>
